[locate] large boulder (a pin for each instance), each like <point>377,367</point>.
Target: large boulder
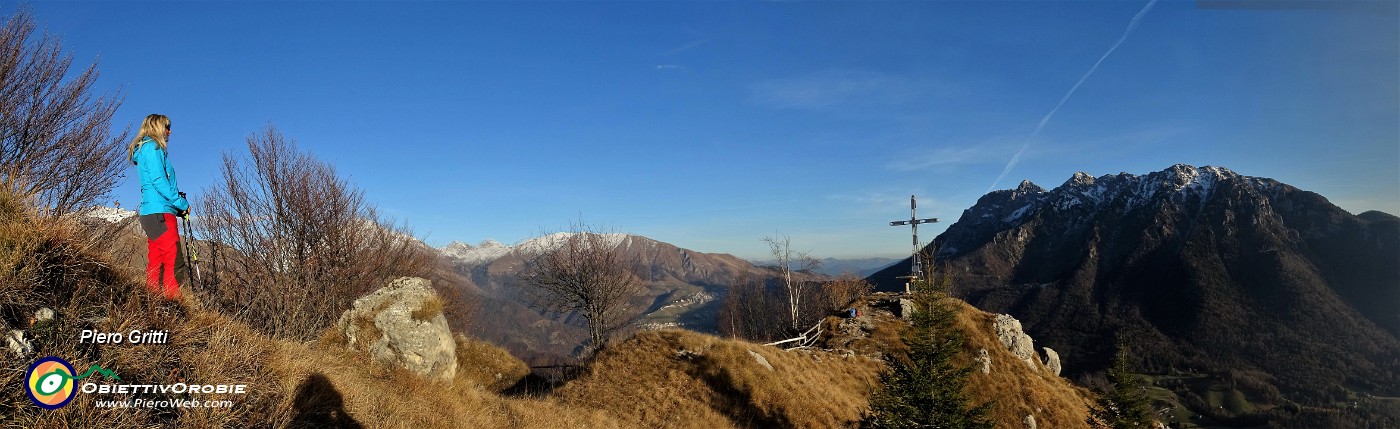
<point>1009,331</point>
<point>1052,360</point>
<point>402,324</point>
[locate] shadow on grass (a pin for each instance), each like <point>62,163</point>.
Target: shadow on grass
<point>319,405</point>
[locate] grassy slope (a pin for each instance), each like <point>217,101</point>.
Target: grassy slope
<point>655,379</point>
<point>1016,389</point>
<point>52,264</point>
<point>682,379</point>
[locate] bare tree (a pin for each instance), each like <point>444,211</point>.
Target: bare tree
<point>56,142</point>
<point>300,242</point>
<point>789,261</point>
<point>586,273</point>
<point>750,311</point>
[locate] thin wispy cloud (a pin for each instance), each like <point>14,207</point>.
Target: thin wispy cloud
<point>834,88</point>
<point>986,152</point>
<point>688,46</point>
<point>1015,159</point>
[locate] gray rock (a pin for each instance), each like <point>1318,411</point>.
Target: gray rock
<point>985,360</point>
<point>384,324</point>
<point>906,308</point>
<point>44,314</point>
<point>1052,360</point>
<point>761,360</point>
<point>1009,331</point>
<point>15,342</point>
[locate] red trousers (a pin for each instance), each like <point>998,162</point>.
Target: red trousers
<point>165,264</point>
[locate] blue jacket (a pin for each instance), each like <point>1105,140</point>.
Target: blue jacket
<point>160,192</point>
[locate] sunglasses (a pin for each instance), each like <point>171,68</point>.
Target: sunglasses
<point>169,127</point>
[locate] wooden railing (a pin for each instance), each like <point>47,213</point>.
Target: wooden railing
<point>807,339</point>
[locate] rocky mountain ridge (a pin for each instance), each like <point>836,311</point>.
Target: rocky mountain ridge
<point>1201,268</point>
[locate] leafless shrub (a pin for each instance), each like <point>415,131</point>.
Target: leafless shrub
<point>56,142</point>
<point>297,242</point>
<point>586,273</point>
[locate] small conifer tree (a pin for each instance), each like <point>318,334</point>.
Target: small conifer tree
<point>925,387</point>
<point>1125,403</point>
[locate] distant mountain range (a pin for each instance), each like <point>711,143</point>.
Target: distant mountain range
<point>860,267</point>
<point>683,290</point>
<point>1201,269</point>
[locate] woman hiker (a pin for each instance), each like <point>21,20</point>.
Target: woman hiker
<point>161,203</point>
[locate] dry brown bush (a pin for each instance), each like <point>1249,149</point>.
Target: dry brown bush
<point>845,289</point>
<point>56,141</point>
<point>301,242</point>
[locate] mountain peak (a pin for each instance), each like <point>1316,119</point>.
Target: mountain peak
<point>1079,179</point>
<point>1029,187</point>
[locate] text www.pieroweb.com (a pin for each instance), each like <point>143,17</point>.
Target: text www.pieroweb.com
<point>162,403</point>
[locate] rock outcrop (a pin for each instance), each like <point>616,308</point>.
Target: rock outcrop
<point>1052,360</point>
<point>402,324</point>
<point>1009,331</point>
<point>906,308</point>
<point>984,361</point>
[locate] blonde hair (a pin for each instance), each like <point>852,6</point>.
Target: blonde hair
<point>154,127</point>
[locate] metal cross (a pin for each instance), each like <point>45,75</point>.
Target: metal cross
<point>914,221</point>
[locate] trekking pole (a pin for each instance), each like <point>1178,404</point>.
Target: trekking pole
<point>191,257</point>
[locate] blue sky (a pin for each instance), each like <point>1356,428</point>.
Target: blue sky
<point>712,124</point>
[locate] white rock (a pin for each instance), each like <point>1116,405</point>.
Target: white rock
<point>15,342</point>
<point>761,360</point>
<point>906,308</point>
<point>424,347</point>
<point>1052,360</point>
<point>1009,331</point>
<point>985,359</point>
<point>43,314</point>
<point>1029,421</point>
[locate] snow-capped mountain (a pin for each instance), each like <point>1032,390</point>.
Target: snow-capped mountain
<point>490,250</point>
<point>108,214</point>
<point>1084,198</point>
<point>1201,266</point>
<point>683,288</point>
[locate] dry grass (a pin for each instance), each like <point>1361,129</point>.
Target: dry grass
<point>431,308</point>
<point>291,384</point>
<point>1016,389</point>
<point>482,364</point>
<point>673,379</point>
<point>682,379</point>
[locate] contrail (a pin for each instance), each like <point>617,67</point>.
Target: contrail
<point>1015,159</point>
